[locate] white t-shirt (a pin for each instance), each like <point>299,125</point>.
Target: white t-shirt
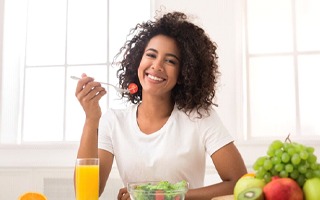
<point>175,152</point>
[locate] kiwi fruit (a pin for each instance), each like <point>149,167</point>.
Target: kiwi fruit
<point>251,194</point>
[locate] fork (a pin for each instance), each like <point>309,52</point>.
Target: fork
<point>104,83</point>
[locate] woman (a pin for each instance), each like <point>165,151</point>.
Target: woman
<point>171,126</point>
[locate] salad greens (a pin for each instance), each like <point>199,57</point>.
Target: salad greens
<point>162,190</point>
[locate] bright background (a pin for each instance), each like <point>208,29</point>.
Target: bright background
<point>269,53</point>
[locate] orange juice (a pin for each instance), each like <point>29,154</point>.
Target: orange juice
<point>87,182</point>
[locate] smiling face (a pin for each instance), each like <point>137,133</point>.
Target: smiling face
<point>159,67</point>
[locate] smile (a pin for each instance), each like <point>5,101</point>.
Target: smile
<point>155,78</point>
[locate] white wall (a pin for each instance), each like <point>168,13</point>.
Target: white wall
<point>1,42</point>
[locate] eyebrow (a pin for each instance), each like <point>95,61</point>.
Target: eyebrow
<point>168,54</point>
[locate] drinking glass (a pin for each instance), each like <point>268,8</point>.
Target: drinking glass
<point>87,179</point>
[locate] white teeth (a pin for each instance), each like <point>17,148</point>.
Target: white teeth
<point>155,78</point>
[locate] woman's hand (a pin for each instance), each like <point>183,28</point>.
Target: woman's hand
<point>88,94</point>
<point>123,194</point>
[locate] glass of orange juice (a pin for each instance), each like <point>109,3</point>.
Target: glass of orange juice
<point>87,179</point>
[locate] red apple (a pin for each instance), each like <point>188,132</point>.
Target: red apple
<point>282,189</point>
<point>311,189</point>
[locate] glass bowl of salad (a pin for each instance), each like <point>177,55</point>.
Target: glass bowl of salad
<point>158,190</point>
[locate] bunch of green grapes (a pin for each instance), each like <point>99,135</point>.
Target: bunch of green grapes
<point>287,159</point>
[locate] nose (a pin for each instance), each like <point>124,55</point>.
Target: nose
<point>157,65</point>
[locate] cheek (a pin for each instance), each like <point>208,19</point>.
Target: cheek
<point>175,73</point>
<point>144,63</point>
<point>140,71</point>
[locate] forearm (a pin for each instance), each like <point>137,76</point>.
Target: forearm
<point>89,140</point>
<point>208,192</point>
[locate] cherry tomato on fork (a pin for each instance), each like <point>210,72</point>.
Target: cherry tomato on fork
<point>133,88</point>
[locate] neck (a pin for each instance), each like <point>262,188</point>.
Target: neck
<point>155,109</point>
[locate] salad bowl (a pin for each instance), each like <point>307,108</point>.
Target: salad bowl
<point>158,190</point>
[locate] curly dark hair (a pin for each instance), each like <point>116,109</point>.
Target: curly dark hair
<point>198,74</point>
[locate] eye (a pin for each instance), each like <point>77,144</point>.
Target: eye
<point>171,61</point>
<point>151,55</point>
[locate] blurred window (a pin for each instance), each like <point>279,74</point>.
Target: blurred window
<point>47,41</point>
<point>282,68</point>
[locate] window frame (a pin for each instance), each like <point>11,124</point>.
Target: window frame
<point>247,132</point>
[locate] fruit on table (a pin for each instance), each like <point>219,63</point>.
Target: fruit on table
<point>282,189</point>
<point>288,159</point>
<point>311,189</point>
<point>255,193</point>
<point>247,181</point>
<point>32,196</point>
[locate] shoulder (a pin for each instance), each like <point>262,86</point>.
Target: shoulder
<point>208,119</point>
<point>202,115</point>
